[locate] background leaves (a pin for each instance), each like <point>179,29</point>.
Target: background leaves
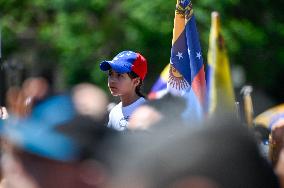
<point>70,37</point>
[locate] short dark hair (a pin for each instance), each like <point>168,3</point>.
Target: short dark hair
<point>133,75</point>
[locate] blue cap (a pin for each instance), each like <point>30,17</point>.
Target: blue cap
<point>125,62</point>
<point>36,133</point>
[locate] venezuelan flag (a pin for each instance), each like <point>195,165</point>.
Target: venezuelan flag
<point>185,72</point>
<point>159,89</point>
<point>220,89</point>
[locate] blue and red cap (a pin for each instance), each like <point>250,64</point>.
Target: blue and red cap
<point>125,62</point>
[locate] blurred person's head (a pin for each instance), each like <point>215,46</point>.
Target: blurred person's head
<point>20,100</point>
<point>54,147</point>
<point>220,154</point>
<point>166,111</point>
<point>169,106</point>
<point>36,88</point>
<point>143,117</point>
<point>90,100</point>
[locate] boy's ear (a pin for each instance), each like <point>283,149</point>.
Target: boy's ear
<point>136,81</point>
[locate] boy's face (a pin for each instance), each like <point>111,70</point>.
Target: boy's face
<point>121,84</point>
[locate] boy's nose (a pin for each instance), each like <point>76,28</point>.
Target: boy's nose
<point>112,79</point>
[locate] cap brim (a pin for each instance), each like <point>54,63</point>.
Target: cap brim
<point>107,65</point>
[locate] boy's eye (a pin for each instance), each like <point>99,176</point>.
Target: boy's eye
<point>119,75</point>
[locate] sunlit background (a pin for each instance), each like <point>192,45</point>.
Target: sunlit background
<point>67,39</point>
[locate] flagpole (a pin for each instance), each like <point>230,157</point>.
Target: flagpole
<point>248,107</point>
<point>237,107</point>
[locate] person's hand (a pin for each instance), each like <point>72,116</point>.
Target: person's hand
<point>277,131</point>
<point>279,169</point>
<point>3,113</point>
<point>276,141</point>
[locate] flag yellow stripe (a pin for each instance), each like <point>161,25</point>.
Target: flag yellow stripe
<point>179,24</point>
<point>165,73</point>
<point>221,94</point>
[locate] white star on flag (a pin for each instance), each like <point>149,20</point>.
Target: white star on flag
<point>122,55</point>
<point>115,59</point>
<point>198,55</point>
<point>128,54</point>
<point>179,55</point>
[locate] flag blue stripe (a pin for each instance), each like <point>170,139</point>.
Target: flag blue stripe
<point>194,46</point>
<point>185,51</point>
<point>181,63</point>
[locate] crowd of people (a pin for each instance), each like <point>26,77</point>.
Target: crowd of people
<point>75,139</point>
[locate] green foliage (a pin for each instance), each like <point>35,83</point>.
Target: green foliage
<point>79,34</point>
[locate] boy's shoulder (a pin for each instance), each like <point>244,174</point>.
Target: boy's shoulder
<point>140,101</point>
<point>116,108</point>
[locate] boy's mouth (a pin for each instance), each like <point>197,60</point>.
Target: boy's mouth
<point>112,88</point>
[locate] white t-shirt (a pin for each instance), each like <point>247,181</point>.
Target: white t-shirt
<point>119,116</point>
